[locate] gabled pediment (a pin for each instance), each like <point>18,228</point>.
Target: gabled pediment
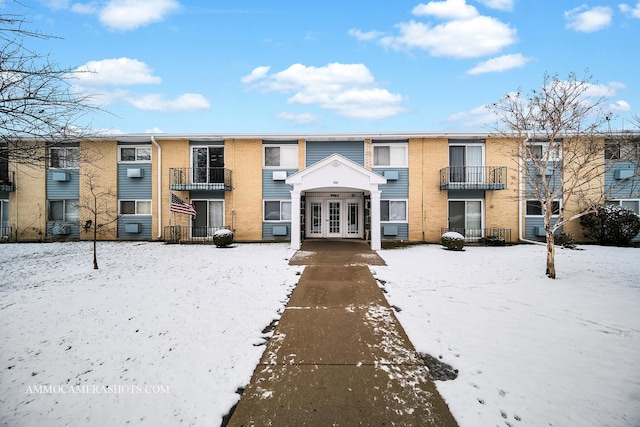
<point>335,171</point>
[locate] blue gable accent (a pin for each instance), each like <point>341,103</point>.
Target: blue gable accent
<point>318,150</point>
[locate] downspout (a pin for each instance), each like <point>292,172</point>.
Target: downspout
<point>520,197</point>
<point>153,140</point>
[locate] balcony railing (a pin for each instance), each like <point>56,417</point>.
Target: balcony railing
<point>483,236</point>
<point>186,234</point>
<point>210,179</point>
<point>473,178</point>
<point>7,181</point>
<point>5,234</point>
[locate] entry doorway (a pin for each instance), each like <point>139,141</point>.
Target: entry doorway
<point>337,215</point>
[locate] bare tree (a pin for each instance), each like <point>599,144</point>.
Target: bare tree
<point>37,101</point>
<point>98,205</point>
<point>561,155</point>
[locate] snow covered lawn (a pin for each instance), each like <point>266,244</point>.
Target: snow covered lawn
<point>175,330</point>
<point>530,351</point>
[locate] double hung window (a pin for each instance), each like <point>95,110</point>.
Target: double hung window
<point>135,207</point>
<point>393,155</point>
<point>64,157</point>
<point>135,154</point>
<point>393,210</point>
<point>64,210</point>
<point>281,156</point>
<point>277,210</point>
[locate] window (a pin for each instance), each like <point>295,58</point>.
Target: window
<point>390,155</point>
<point>135,207</point>
<point>4,218</point>
<point>64,210</point>
<point>209,217</point>
<point>634,205</point>
<point>465,217</point>
<point>534,208</point>
<point>539,150</point>
<point>393,210</point>
<point>466,162</point>
<point>282,156</point>
<point>277,210</point>
<point>135,154</point>
<point>64,158</point>
<point>208,164</point>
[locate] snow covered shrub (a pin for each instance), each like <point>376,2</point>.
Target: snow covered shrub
<point>223,238</point>
<point>566,240</point>
<point>452,241</point>
<point>611,225</point>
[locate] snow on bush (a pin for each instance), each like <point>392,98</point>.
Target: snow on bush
<point>223,237</point>
<point>452,241</point>
<point>611,225</point>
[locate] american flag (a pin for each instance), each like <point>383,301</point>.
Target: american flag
<point>177,205</point>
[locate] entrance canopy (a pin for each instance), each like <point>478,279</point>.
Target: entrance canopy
<point>335,173</point>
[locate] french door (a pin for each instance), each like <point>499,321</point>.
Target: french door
<point>334,218</point>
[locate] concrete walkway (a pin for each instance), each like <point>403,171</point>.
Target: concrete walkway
<point>338,356</point>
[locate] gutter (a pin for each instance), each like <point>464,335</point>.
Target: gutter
<point>520,198</point>
<point>153,140</point>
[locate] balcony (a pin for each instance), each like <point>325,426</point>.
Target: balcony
<point>7,181</point>
<point>207,179</point>
<point>473,178</point>
<point>184,234</point>
<point>483,236</point>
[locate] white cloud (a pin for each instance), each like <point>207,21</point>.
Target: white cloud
<point>85,8</point>
<point>477,117</point>
<point>157,102</point>
<point>95,76</point>
<point>364,36</point>
<point>132,14</point>
<point>302,118</point>
<point>347,89</point>
<point>116,72</point>
<point>468,38</point>
<point>620,106</point>
<point>506,5</point>
<point>448,9</point>
<point>257,74</point>
<point>587,20</point>
<point>632,11</point>
<point>500,63</point>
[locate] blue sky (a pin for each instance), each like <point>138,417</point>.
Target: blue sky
<point>332,66</point>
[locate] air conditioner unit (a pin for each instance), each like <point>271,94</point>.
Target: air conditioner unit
<point>135,173</point>
<point>539,232</point>
<point>132,228</point>
<point>623,174</point>
<point>60,176</point>
<point>61,229</point>
<point>279,175</point>
<point>391,175</point>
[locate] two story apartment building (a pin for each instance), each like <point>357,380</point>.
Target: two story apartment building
<point>377,187</point>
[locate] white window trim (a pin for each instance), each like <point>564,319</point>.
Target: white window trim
<point>77,150</point>
<point>400,144</point>
<point>541,215</point>
<point>264,156</point>
<point>264,211</point>
<point>64,210</point>
<point>136,207</point>
<point>406,211</point>
<point>136,147</point>
<point>545,148</point>
<point>191,201</point>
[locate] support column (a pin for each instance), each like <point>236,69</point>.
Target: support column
<point>376,243</point>
<point>295,220</point>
